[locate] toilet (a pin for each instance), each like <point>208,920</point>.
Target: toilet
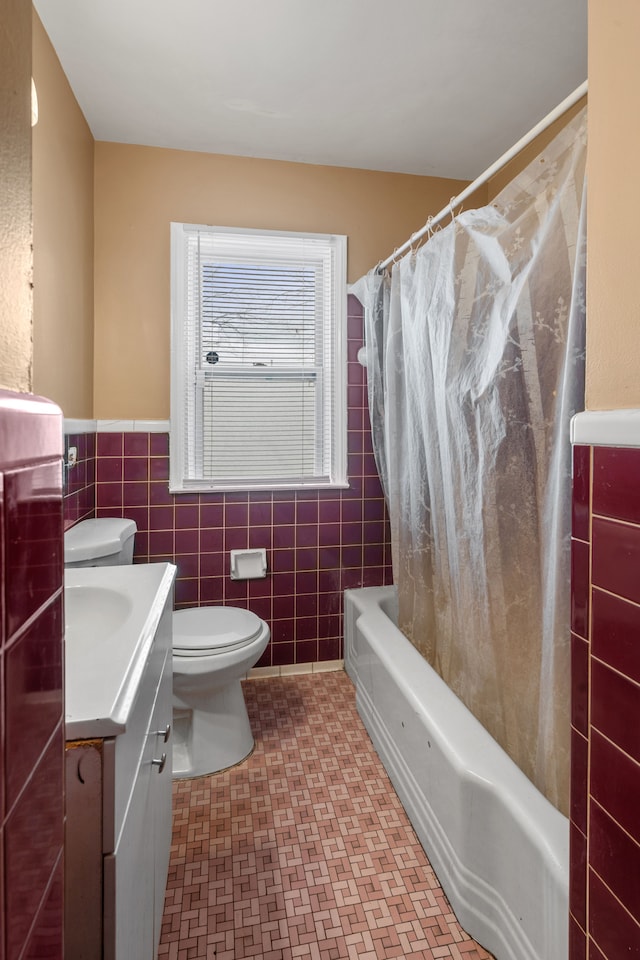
<point>213,649</point>
<point>106,542</point>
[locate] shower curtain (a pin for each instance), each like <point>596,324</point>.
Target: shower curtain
<point>475,365</point>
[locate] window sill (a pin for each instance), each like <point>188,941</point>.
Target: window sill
<point>251,488</point>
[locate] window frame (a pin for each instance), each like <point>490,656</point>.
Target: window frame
<point>183,407</point>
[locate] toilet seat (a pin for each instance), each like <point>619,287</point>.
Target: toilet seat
<point>206,631</point>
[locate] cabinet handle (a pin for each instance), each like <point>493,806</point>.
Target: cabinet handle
<point>165,734</point>
<point>160,763</point>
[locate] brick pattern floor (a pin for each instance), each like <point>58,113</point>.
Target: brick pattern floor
<point>303,850</point>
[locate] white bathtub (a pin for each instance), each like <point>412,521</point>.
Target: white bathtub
<point>499,848</point>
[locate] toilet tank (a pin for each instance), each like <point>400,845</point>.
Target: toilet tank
<point>103,542</point>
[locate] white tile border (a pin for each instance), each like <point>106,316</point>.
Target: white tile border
<point>606,428</point>
<point>613,428</point>
<point>295,669</point>
<point>151,426</point>
<point>115,426</point>
<point>132,426</point>
<point>79,426</point>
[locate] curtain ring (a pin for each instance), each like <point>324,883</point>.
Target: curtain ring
<point>419,236</point>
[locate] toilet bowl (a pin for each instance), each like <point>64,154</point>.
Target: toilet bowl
<point>213,648</point>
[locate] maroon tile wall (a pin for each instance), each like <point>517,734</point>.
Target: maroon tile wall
<point>31,672</point>
<point>605,710</point>
<point>318,543</point>
<point>80,480</point>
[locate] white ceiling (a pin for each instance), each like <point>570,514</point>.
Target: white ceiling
<point>438,87</point>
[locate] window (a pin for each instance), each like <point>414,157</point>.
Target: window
<point>258,359</point>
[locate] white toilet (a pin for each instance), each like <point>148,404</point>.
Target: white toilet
<point>213,648</point>
<point>107,542</point>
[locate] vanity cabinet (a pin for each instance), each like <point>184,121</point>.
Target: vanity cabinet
<point>118,831</point>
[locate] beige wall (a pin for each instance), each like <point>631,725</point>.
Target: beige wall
<point>15,209</point>
<point>504,176</point>
<point>613,290</point>
<point>63,239</point>
<point>140,190</point>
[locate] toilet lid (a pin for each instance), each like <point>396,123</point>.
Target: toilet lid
<point>200,631</point>
<point>92,539</point>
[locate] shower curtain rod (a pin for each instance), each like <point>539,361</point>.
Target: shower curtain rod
<point>566,104</point>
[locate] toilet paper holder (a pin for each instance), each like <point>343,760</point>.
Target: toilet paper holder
<point>248,564</point>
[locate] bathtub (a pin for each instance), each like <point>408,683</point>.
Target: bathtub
<point>499,848</point>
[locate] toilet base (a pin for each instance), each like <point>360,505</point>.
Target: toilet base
<point>212,734</point>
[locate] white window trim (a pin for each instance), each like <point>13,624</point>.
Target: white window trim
<point>177,482</point>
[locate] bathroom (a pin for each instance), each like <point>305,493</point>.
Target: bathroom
<point>74,184</point>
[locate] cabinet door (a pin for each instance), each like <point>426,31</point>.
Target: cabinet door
<point>135,875</point>
<point>83,851</point>
<point>161,795</point>
<point>129,875</point>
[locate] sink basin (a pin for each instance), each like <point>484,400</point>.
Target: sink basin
<point>116,618</point>
<point>93,613</point>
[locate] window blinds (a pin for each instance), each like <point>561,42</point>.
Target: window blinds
<point>258,327</point>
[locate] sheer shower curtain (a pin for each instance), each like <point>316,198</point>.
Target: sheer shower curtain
<point>475,356</point>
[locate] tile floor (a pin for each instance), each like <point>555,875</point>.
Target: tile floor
<point>304,849</point>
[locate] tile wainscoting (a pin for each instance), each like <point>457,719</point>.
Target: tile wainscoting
<point>605,623</point>
<point>80,480</point>
<point>318,543</point>
<point>31,670</point>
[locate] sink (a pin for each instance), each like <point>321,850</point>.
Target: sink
<point>113,618</point>
<point>118,712</point>
<point>93,612</point>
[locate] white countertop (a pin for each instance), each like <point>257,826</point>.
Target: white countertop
<point>112,615</point>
